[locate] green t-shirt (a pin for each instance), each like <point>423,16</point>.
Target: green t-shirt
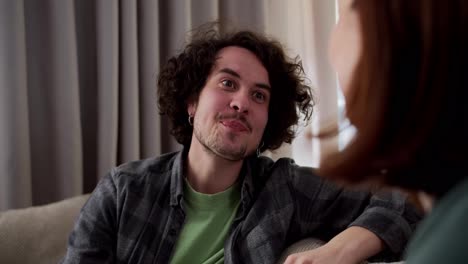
<point>443,235</point>
<point>207,223</point>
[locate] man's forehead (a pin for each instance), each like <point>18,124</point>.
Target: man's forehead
<point>231,54</point>
<point>239,61</point>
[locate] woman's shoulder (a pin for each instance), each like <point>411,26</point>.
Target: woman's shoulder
<point>442,237</point>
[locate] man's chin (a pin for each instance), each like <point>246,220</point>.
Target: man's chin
<point>232,154</point>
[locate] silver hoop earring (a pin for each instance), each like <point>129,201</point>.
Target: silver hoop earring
<point>258,149</point>
<point>190,120</point>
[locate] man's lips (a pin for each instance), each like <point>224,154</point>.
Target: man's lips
<point>236,125</point>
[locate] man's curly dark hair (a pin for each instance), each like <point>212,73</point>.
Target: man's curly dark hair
<point>183,77</point>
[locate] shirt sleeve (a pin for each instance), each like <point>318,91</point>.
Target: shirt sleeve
<point>391,217</point>
<point>93,239</point>
<point>324,209</point>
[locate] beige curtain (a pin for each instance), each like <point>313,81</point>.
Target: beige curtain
<point>304,27</point>
<point>78,82</point>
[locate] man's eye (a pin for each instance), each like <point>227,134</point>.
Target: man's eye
<point>259,97</point>
<point>228,83</point>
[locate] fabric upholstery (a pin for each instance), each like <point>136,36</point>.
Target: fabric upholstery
<point>38,234</point>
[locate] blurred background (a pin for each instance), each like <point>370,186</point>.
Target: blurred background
<point>78,84</point>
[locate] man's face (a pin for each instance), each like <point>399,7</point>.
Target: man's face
<point>232,109</point>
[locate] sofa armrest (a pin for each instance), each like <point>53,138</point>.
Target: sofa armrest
<point>38,234</point>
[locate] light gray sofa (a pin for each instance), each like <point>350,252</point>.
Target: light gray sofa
<point>39,234</point>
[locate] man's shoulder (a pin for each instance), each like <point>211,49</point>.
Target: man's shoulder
<point>285,170</point>
<point>155,164</point>
<point>283,165</point>
<point>146,170</point>
<point>267,162</point>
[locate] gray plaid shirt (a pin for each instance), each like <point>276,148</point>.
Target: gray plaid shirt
<point>136,213</point>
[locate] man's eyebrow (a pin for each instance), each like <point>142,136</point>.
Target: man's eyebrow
<point>230,71</point>
<point>235,74</point>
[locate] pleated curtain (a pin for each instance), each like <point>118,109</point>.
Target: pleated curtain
<point>78,83</point>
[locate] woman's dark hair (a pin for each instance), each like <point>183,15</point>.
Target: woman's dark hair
<point>408,96</point>
<point>183,77</point>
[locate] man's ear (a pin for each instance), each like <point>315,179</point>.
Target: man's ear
<point>191,106</point>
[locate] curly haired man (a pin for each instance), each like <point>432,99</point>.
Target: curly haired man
<point>229,97</point>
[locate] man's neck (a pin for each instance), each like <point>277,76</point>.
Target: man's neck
<point>209,173</point>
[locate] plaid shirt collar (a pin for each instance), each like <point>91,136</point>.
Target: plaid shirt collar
<point>178,175</point>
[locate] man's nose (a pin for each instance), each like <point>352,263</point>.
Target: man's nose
<point>240,102</point>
